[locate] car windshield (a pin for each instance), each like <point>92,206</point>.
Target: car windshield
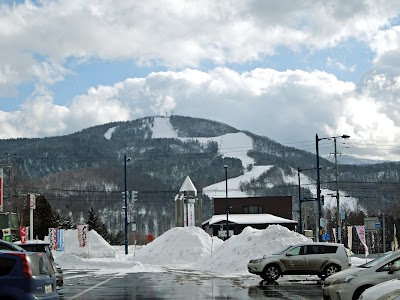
<point>282,251</point>
<point>376,261</point>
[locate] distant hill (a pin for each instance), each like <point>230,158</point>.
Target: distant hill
<point>84,169</point>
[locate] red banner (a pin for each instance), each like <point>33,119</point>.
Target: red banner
<point>22,234</point>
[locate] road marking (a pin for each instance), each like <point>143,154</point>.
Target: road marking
<point>93,287</point>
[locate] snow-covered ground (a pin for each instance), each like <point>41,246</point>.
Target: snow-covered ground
<point>184,248</point>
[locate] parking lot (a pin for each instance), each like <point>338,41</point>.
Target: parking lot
<point>90,285</point>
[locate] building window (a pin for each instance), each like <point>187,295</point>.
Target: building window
<point>253,209</point>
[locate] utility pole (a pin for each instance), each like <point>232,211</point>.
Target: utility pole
<point>226,202</point>
<point>318,229</point>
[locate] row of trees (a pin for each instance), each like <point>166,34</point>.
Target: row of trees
<point>45,217</point>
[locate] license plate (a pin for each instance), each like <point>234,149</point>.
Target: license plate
<point>47,288</point>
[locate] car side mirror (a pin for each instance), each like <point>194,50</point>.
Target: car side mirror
<point>289,254</point>
<point>393,268</point>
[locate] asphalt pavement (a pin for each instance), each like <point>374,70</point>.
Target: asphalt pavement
<point>90,285</point>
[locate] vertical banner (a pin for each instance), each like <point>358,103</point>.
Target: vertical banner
<point>361,235</point>
<point>51,237</point>
<point>22,234</point>
<point>60,240</point>
<point>350,237</point>
<point>191,220</point>
<point>334,234</point>
<point>83,235</point>
<point>55,239</point>
<point>395,242</point>
<point>1,189</point>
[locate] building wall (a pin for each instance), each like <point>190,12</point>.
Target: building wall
<point>280,206</point>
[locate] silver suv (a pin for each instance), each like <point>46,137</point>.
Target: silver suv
<point>322,259</point>
<point>350,284</point>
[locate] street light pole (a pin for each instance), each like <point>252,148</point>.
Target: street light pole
<point>339,234</point>
<point>126,208</point>
<point>318,229</point>
<point>226,202</point>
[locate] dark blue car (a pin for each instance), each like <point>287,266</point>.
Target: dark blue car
<point>26,275</point>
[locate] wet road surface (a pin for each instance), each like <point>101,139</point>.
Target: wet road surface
<point>89,285</point>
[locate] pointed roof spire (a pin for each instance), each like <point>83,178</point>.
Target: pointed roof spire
<point>188,186</point>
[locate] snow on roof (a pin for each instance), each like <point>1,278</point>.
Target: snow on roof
<point>250,219</point>
<point>188,186</point>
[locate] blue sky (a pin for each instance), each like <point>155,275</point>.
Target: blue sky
<point>283,71</point>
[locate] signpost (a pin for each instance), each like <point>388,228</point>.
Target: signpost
<point>32,204</point>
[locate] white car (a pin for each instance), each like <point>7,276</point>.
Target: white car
<point>388,290</point>
<point>351,283</point>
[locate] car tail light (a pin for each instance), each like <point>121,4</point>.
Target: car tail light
<point>26,269</point>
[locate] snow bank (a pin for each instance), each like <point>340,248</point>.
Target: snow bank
<point>179,245</point>
<point>235,253</point>
<point>96,247</point>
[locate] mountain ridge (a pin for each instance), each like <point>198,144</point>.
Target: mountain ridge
<point>85,168</point>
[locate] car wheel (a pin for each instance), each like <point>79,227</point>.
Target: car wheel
<point>330,270</point>
<point>271,273</point>
<point>359,291</point>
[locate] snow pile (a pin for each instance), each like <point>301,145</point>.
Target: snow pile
<point>235,253</point>
<point>96,246</point>
<point>179,245</point>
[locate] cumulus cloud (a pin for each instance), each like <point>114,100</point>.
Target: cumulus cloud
<point>44,36</point>
<point>291,105</point>
<point>39,41</point>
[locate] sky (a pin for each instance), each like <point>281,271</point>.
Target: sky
<point>189,248</point>
<point>277,69</point>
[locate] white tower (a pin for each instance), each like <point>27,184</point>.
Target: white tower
<point>185,205</point>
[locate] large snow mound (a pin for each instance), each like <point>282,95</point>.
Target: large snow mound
<point>179,245</point>
<point>234,254</point>
<point>96,247</point>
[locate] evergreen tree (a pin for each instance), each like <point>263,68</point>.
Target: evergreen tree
<point>93,221</point>
<point>43,218</point>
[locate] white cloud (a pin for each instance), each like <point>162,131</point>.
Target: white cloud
<point>386,45</point>
<point>286,106</point>
<point>174,33</point>
<point>38,43</point>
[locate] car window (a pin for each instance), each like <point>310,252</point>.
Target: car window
<point>376,261</point>
<point>395,262</point>
<point>297,250</point>
<point>5,247</point>
<point>282,251</point>
<point>40,264</point>
<point>328,249</point>
<point>6,265</point>
<point>312,249</point>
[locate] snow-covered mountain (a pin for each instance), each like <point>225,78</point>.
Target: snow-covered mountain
<point>85,169</point>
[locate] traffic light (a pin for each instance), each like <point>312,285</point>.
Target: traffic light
<point>134,196</point>
<point>322,200</point>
